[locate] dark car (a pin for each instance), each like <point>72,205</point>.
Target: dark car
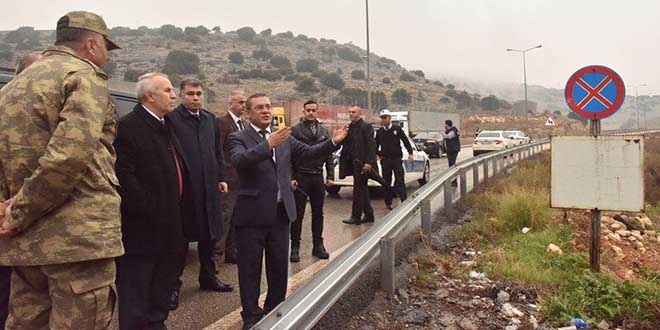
<point>124,101</point>
<point>431,143</point>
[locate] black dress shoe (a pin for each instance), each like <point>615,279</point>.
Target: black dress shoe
<point>295,254</point>
<point>367,219</point>
<point>174,300</point>
<point>320,252</point>
<point>352,221</point>
<point>389,207</point>
<point>215,285</point>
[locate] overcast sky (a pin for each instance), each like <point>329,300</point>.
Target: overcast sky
<point>441,37</point>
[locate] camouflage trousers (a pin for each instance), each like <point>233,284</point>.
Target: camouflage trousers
<point>78,295</point>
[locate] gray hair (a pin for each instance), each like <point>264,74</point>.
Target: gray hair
<point>234,93</point>
<point>145,83</point>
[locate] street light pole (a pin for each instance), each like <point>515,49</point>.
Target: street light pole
<point>368,59</point>
<point>523,51</point>
<point>636,87</point>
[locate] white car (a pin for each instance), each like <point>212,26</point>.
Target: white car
<point>518,136</point>
<point>488,141</point>
<point>419,170</point>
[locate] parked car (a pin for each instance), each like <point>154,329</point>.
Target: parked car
<point>518,137</point>
<point>419,169</point>
<point>123,101</point>
<point>488,141</point>
<point>431,143</point>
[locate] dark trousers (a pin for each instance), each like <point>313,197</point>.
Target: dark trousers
<point>361,202</point>
<point>145,284</point>
<point>394,165</point>
<point>251,243</point>
<point>226,244</point>
<point>205,250</point>
<point>314,188</point>
<point>451,158</point>
<point>5,276</point>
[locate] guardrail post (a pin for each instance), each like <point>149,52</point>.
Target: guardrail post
<point>387,264</point>
<point>447,190</point>
<point>426,217</point>
<point>495,165</point>
<point>486,170</point>
<point>475,175</point>
<point>463,182</point>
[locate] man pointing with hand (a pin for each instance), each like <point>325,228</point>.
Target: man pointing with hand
<point>265,205</point>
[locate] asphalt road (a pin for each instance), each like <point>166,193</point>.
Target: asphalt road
<point>199,309</point>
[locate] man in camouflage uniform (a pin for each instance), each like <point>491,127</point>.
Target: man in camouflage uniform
<point>59,222</point>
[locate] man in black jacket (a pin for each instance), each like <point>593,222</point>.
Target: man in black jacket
<point>152,173</point>
<point>308,176</point>
<point>452,144</point>
<point>388,144</point>
<point>358,159</point>
<point>198,132</point>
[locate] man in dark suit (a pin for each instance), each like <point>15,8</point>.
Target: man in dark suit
<point>229,123</point>
<point>308,176</point>
<point>151,173</point>
<point>358,159</point>
<point>266,204</point>
<point>199,135</point>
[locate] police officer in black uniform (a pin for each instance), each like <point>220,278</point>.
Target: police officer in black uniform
<point>388,143</point>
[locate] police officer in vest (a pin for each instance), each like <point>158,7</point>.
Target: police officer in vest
<point>388,144</point>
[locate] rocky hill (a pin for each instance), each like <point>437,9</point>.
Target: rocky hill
<point>285,65</point>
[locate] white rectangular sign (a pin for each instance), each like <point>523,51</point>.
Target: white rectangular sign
<point>604,172</point>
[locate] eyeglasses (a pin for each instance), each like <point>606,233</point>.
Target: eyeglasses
<point>194,93</point>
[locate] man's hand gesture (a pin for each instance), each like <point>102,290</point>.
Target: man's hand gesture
<point>278,137</point>
<point>339,135</point>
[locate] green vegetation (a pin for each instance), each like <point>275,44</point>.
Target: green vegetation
<point>358,75</point>
<point>262,54</point>
<point>132,75</point>
<point>280,61</point>
<point>246,33</point>
<point>181,62</point>
<point>566,287</point>
<point>348,54</point>
<point>406,76</point>
<point>333,80</point>
<point>307,85</point>
<point>401,96</point>
<point>236,57</point>
<point>307,65</point>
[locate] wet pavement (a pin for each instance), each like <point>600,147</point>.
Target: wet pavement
<point>199,309</point>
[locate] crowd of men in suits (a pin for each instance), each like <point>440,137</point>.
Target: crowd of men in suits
<point>229,183</point>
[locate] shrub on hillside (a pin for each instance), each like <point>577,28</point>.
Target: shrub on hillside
<point>236,57</point>
<point>333,80</point>
<point>246,33</point>
<point>170,31</point>
<point>132,75</point>
<point>401,96</point>
<point>23,35</point>
<point>405,76</point>
<point>418,73</point>
<point>438,83</point>
<point>280,61</point>
<point>490,103</point>
<point>387,80</point>
<point>285,35</point>
<point>348,54</point>
<point>307,86</point>
<point>199,30</point>
<point>319,73</point>
<point>262,54</point>
<point>358,75</point>
<point>451,86</point>
<point>307,65</point>
<point>357,96</point>
<point>266,32</point>
<point>181,62</point>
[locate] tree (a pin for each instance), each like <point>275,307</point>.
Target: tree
<point>438,83</point>
<point>490,103</point>
<point>181,62</point>
<point>463,100</point>
<point>333,80</point>
<point>307,65</point>
<point>236,57</point>
<point>451,86</point>
<point>216,30</point>
<point>349,54</point>
<point>25,35</point>
<point>266,33</point>
<point>280,61</point>
<point>357,75</point>
<point>132,75</point>
<point>200,30</point>
<point>405,76</point>
<point>419,73</point>
<point>307,86</point>
<point>357,96</point>
<point>246,33</point>
<point>285,35</point>
<point>387,80</point>
<point>262,54</point>
<point>171,32</point>
<point>401,96</point>
<point>302,37</point>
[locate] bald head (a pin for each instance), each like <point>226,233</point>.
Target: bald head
<point>354,113</point>
<point>237,102</point>
<point>27,60</point>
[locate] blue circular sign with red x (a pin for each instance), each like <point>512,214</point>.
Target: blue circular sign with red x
<point>595,92</point>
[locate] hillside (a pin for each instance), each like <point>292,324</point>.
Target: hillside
<point>285,65</point>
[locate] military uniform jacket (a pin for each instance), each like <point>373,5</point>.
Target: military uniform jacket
<point>57,125</point>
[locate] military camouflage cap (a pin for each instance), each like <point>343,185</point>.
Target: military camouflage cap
<point>88,21</point>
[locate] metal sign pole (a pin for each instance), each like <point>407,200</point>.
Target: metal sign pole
<point>594,246</point>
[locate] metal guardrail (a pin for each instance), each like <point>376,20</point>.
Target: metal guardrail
<point>308,304</point>
<point>631,132</point>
